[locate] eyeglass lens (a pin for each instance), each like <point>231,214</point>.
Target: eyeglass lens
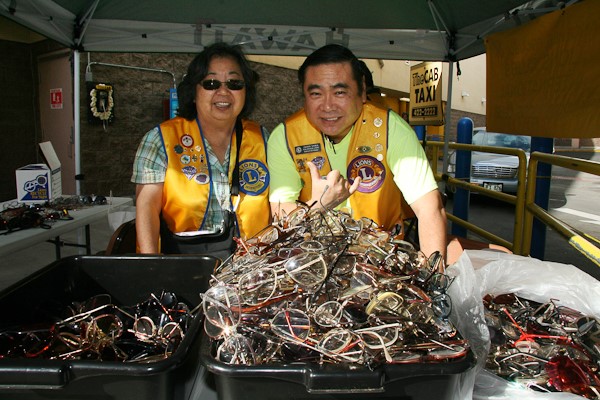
<point>231,84</point>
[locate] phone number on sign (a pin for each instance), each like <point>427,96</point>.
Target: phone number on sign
<point>424,111</point>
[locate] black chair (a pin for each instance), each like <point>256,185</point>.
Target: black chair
<point>123,240</point>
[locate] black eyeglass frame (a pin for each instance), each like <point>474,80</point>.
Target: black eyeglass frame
<point>214,84</point>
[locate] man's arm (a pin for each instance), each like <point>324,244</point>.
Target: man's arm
<point>431,214</point>
<point>147,221</point>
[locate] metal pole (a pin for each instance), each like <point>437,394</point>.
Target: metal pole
<point>447,124</point>
<point>76,119</point>
<point>420,131</point>
<point>464,134</point>
<point>542,195</point>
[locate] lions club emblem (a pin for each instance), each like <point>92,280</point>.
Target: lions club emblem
<point>371,172</point>
<point>254,177</point>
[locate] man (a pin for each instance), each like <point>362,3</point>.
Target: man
<point>342,151</point>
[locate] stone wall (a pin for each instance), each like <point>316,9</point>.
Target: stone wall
<point>140,97</point>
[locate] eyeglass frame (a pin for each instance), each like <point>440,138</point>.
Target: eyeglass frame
<point>231,84</point>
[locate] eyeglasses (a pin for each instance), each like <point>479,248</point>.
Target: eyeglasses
<point>97,329</point>
<point>221,305</point>
<point>428,351</point>
<point>236,349</point>
<point>232,84</point>
<point>573,376</point>
<point>317,285</point>
<point>543,345</point>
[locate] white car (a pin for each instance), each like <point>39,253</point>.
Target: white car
<point>495,171</point>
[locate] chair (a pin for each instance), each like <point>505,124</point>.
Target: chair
<point>410,223</point>
<point>123,240</point>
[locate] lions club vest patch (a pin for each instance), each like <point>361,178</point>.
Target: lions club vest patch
<point>254,177</point>
<point>370,170</point>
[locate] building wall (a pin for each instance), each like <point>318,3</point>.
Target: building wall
<point>17,121</point>
<point>107,154</point>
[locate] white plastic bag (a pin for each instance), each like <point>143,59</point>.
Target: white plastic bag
<point>481,272</point>
<point>118,217</point>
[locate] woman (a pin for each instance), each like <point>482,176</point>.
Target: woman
<point>197,186</point>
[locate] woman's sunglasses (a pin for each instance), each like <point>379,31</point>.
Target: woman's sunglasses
<point>232,84</point>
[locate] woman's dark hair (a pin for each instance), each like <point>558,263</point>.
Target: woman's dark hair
<point>333,54</point>
<point>197,71</point>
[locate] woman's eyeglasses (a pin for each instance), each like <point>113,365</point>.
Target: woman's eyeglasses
<point>232,84</point>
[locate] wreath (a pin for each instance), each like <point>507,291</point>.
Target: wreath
<point>106,101</point>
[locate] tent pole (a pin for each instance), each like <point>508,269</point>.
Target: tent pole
<point>447,123</point>
<point>76,120</point>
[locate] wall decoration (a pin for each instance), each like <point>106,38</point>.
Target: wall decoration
<point>101,103</point>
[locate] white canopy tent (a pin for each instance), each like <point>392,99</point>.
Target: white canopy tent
<point>437,30</point>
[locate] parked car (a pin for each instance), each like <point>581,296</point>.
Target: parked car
<point>494,171</point>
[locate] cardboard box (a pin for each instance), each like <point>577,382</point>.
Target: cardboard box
<point>38,183</point>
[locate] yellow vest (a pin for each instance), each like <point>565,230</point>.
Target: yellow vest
<point>187,180</point>
<point>377,197</point>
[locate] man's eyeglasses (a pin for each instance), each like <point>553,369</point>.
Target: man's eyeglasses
<point>232,84</point>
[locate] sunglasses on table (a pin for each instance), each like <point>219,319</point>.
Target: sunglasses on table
<point>232,84</point>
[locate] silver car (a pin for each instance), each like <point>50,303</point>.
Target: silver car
<point>495,171</point>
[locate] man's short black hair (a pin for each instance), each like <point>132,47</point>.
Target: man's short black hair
<point>197,71</point>
<point>333,54</point>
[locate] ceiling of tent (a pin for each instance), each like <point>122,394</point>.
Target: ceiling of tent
<point>437,30</point>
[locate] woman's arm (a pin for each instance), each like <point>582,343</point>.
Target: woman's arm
<point>147,220</point>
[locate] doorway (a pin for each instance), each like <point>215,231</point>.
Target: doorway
<point>56,111</point>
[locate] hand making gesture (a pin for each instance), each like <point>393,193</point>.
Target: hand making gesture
<point>331,190</point>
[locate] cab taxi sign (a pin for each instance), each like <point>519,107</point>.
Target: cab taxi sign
<point>425,106</point>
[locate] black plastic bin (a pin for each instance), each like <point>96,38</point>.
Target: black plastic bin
<point>128,280</point>
<point>439,381</point>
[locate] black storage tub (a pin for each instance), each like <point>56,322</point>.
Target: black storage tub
<point>439,381</point>
<point>129,280</point>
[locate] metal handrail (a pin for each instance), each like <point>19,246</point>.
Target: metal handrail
<point>575,238</point>
<point>518,200</point>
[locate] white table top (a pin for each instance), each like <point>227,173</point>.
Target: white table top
<point>22,239</point>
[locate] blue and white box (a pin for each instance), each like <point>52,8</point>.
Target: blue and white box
<point>39,183</point>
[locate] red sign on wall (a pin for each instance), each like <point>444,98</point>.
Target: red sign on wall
<point>56,99</point>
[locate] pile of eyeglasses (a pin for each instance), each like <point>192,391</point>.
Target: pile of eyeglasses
<point>319,286</point>
<point>16,217</point>
<point>97,329</point>
<point>544,346</point>
<point>75,202</point>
